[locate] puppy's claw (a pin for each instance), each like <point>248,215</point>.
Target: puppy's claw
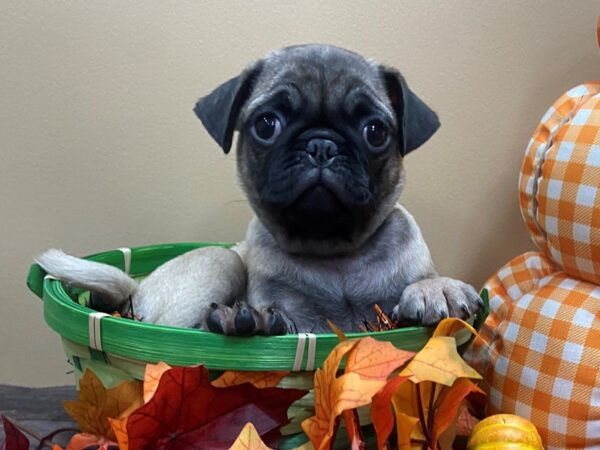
<point>244,322</point>
<point>274,323</point>
<point>214,322</point>
<point>428,301</point>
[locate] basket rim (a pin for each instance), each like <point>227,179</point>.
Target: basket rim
<point>184,346</point>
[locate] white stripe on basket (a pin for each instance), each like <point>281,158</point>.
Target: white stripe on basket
<point>94,320</point>
<point>126,258</point>
<point>312,350</point>
<point>299,352</point>
<point>50,277</point>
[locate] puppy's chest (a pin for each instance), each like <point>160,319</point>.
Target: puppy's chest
<point>342,286</point>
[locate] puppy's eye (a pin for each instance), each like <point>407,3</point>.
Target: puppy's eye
<point>376,135</point>
<point>267,127</point>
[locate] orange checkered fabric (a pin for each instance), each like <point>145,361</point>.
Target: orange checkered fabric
<point>540,352</point>
<point>543,358</point>
<point>560,180</point>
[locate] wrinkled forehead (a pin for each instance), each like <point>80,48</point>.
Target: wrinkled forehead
<point>319,78</point>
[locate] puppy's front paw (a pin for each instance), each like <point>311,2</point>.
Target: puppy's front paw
<point>243,320</point>
<point>237,320</point>
<point>275,322</point>
<point>428,301</point>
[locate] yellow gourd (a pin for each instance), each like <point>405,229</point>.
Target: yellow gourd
<point>504,432</point>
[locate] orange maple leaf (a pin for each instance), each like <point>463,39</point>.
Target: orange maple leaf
<point>369,364</point>
<point>375,360</point>
<point>248,439</point>
<point>95,404</point>
<point>371,360</point>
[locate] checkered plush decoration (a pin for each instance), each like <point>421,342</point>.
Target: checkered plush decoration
<point>540,352</point>
<point>560,180</point>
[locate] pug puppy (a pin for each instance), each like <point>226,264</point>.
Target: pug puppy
<point>322,137</point>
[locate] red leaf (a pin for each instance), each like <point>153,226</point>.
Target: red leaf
<point>447,410</point>
<point>381,410</point>
<point>188,412</point>
<point>14,439</point>
<point>353,429</point>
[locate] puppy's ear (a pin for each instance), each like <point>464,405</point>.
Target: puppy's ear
<point>219,110</point>
<point>416,121</point>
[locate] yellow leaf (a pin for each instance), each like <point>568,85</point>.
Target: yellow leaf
<point>119,427</point>
<point>440,363</point>
<point>258,379</point>
<point>451,326</point>
<point>95,404</point>
<point>248,439</point>
<point>405,425</point>
<point>152,376</point>
<point>405,403</point>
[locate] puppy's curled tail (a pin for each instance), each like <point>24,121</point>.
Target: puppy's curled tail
<point>110,287</point>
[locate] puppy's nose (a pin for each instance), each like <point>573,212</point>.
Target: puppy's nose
<point>321,151</point>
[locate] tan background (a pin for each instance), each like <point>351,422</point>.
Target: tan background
<point>99,147</point>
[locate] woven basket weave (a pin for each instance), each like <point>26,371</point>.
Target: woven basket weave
<point>118,349</point>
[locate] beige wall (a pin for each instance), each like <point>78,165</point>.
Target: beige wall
<point>99,147</point>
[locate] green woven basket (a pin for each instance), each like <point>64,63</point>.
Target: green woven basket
<point>118,349</point>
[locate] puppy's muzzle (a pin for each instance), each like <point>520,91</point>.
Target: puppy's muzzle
<point>322,145</point>
<point>321,152</point>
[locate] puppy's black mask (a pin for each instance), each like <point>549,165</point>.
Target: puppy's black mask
<point>322,137</point>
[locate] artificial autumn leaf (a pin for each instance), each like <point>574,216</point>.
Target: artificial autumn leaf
<point>465,420</point>
<point>14,439</point>
<point>249,439</point>
<point>83,441</point>
<point>257,379</point>
<point>95,404</point>
<point>406,408</point>
<point>375,360</point>
<point>152,375</point>
<point>440,363</point>
<point>337,330</point>
<point>405,426</point>
<point>449,402</point>
<point>119,427</point>
<point>336,394</point>
<point>187,410</point>
<point>353,430</point>
<point>451,326</point>
<point>381,410</point>
<point>371,360</point>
